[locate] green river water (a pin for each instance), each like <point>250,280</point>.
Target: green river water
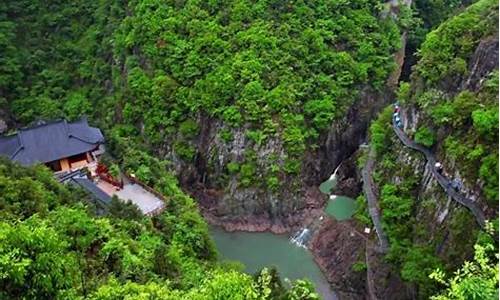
<point>264,249</point>
<point>257,250</point>
<point>341,208</point>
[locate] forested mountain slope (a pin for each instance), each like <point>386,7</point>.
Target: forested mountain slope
<point>248,105</point>
<point>261,80</point>
<point>450,106</point>
<point>250,101</point>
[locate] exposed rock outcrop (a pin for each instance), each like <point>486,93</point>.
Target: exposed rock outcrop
<point>5,121</point>
<point>225,200</point>
<point>336,248</point>
<point>484,60</point>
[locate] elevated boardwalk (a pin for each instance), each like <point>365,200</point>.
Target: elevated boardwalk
<point>371,198</point>
<point>444,182</point>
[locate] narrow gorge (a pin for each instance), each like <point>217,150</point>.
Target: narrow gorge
<point>351,144</point>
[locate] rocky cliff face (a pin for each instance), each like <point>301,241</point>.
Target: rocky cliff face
<point>337,247</point>
<point>439,224</point>
<point>480,67</point>
<point>5,121</point>
<point>483,62</point>
<point>447,229</point>
<point>226,201</point>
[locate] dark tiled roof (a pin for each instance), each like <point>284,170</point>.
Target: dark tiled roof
<point>51,141</point>
<point>93,189</point>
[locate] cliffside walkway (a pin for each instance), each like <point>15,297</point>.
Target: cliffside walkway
<point>372,200</point>
<point>443,181</point>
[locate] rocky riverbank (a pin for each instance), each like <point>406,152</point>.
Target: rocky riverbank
<point>334,245</point>
<point>287,223</point>
<point>336,248</point>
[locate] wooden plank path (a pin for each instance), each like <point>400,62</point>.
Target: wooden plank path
<point>371,198</point>
<point>444,182</point>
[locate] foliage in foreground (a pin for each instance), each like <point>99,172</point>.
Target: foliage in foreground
<point>476,279</point>
<point>52,246</point>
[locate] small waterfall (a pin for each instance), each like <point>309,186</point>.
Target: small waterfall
<point>327,186</point>
<point>335,172</point>
<point>301,237</point>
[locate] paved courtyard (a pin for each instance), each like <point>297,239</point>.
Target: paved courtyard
<point>146,201</point>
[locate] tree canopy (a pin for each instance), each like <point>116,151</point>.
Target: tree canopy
<point>53,246</point>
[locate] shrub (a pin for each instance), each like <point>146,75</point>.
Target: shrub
<point>184,150</point>
<point>76,106</point>
<point>232,116</point>
<point>425,136</point>
<point>273,183</point>
<point>144,174</point>
<point>233,167</point>
<point>486,121</point>
<point>320,111</point>
<point>292,166</point>
<point>189,128</point>
<point>488,172</point>
<point>226,135</point>
<point>359,266</point>
<point>257,136</point>
<point>403,93</point>
<point>247,173</point>
<point>380,131</point>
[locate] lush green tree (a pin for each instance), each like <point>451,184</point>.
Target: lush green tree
<point>281,72</point>
<point>425,136</point>
<point>77,105</point>
<point>486,121</point>
<point>125,210</point>
<point>403,92</point>
<point>418,264</point>
<point>380,131</point>
<point>35,262</point>
<point>476,279</point>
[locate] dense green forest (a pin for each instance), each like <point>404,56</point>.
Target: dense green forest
<point>145,69</point>
<point>148,73</point>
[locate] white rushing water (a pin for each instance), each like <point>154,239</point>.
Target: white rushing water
<point>327,186</point>
<point>301,238</point>
<point>335,172</point>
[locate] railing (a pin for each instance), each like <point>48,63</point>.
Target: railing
<point>371,198</point>
<point>103,173</point>
<point>157,210</point>
<point>442,181</point>
<point>63,176</point>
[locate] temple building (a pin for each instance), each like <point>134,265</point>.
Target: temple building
<point>62,146</point>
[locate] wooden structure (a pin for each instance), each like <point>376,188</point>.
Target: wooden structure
<point>62,146</point>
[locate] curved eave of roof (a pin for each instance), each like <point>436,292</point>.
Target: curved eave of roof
<point>13,156</point>
<point>10,146</point>
<point>70,139</point>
